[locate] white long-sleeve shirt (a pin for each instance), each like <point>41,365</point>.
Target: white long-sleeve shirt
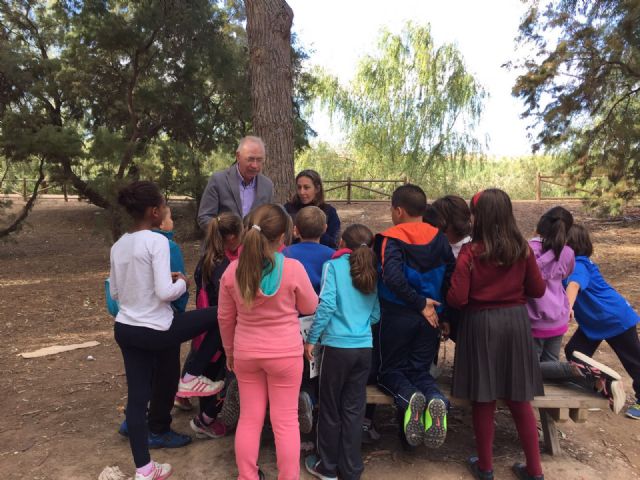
<point>140,280</point>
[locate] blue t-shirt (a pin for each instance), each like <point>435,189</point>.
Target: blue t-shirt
<point>600,311</point>
<point>312,256</point>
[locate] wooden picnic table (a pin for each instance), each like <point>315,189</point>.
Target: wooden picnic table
<point>560,403</point>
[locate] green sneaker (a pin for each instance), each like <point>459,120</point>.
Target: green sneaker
<point>435,423</point>
<point>413,419</point>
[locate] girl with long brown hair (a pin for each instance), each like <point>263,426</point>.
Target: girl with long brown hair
<point>495,356</point>
<point>348,307</point>
<point>260,297</point>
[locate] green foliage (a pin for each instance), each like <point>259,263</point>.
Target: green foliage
<point>581,84</point>
<point>412,106</point>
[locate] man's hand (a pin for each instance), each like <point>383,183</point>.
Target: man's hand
<point>429,312</point>
<point>308,351</point>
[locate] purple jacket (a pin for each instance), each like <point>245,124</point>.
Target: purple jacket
<point>549,315</point>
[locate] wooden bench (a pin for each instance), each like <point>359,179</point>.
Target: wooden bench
<point>559,404</point>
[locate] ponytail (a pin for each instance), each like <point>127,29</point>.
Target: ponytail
<point>553,227</point>
<point>362,261</point>
<point>267,224</point>
<point>220,227</point>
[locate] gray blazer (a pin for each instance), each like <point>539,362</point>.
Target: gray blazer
<point>222,194</point>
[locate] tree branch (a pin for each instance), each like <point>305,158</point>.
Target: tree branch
<point>17,222</point>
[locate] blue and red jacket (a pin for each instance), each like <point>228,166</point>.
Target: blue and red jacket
<point>415,262</point>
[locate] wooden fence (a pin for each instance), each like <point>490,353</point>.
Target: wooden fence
<point>351,184</point>
<point>553,180</point>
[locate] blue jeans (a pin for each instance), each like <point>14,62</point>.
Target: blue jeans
<point>408,345</point>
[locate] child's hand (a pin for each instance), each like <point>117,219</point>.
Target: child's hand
<point>429,312</point>
<point>230,363</point>
<point>308,351</point>
<point>175,276</point>
<point>445,328</point>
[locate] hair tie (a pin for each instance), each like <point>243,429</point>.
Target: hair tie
<point>218,218</point>
<point>364,245</point>
<point>257,227</point>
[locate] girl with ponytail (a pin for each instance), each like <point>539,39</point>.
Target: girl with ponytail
<point>348,307</point>
<point>261,295</point>
<point>549,314</point>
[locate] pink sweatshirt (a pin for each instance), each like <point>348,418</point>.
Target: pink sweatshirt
<point>270,329</point>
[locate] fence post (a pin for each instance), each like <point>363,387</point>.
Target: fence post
<point>24,189</point>
<point>538,188</point>
<point>348,190</point>
<point>64,191</point>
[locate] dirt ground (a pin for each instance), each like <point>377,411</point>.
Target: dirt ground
<point>61,412</point>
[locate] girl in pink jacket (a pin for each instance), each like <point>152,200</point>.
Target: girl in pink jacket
<point>261,295</point>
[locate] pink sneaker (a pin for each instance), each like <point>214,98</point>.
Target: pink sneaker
<point>159,471</point>
<point>183,404</point>
<point>198,387</point>
<point>215,429</point>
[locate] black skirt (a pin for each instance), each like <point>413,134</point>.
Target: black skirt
<point>495,357</point>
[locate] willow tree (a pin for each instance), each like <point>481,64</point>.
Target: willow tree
<point>411,107</point>
<point>581,86</point>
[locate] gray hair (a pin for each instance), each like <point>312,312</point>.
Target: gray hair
<point>250,139</point>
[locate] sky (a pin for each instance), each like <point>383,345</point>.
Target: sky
<point>339,32</point>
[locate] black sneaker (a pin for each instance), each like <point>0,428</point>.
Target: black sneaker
<point>305,412</point>
<point>473,463</point>
<point>520,469</point>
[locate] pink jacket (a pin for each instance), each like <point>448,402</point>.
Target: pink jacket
<point>270,328</point>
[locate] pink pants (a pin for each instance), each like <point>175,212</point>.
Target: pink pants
<point>276,380</point>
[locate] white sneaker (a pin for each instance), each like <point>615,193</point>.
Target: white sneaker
<point>618,396</point>
<point>160,471</point>
<point>199,387</point>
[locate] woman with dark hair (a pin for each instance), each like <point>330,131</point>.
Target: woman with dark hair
<point>309,191</point>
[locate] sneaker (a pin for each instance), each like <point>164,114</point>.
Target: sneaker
<point>169,439</point>
<point>414,418</point>
<point>591,367</point>
<point>124,429</point>
<point>369,433</point>
<point>183,404</point>
<point>614,391</point>
<point>230,412</point>
<point>634,411</point>
<point>311,463</point>
<point>305,412</point>
<point>160,471</point>
<point>435,423</point>
<point>198,387</point>
<point>474,468</point>
<point>520,469</point>
<point>216,429</point>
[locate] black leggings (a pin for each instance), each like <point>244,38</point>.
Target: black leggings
<point>142,348</point>
<point>626,346</point>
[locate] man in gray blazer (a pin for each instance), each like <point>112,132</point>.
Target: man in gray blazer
<point>241,187</point>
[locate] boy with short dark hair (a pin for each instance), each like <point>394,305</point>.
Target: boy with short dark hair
<point>310,224</point>
<point>415,265</point>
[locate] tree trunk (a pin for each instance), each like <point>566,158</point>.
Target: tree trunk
<point>24,213</point>
<point>269,36</point>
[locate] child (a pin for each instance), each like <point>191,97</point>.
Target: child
<point>549,315</point>
<point>310,224</point>
<point>167,368</point>
<point>348,306</point>
<point>258,312</point>
<point>415,263</point>
<point>146,328</point>
<point>224,235</point>
<point>456,221</point>
<point>495,357</point>
<point>602,314</point>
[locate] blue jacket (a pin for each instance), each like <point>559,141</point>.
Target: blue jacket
<point>312,257</point>
<point>345,315</point>
<point>415,262</point>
